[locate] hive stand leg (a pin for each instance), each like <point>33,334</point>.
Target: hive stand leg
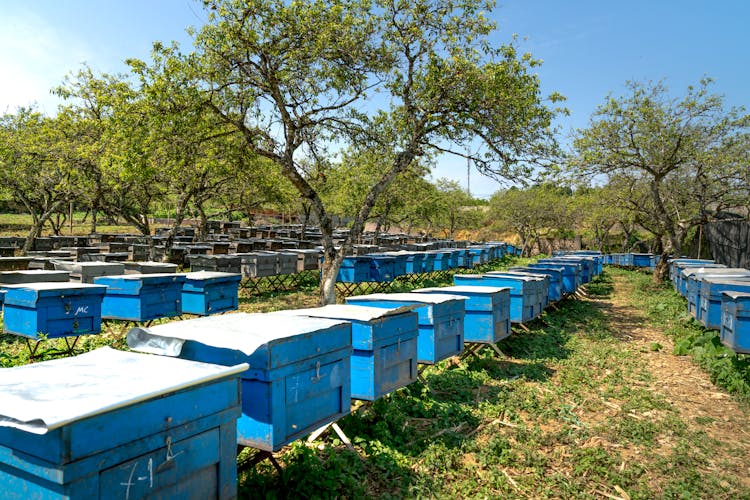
<point>257,458</point>
<point>522,327</point>
<point>69,346</point>
<point>333,425</point>
<point>32,350</point>
<point>497,350</point>
<point>470,350</point>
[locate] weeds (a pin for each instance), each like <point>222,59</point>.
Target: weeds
<point>667,310</point>
<point>571,413</point>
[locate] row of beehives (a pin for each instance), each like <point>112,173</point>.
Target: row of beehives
<point>46,304</point>
<point>229,240</point>
<point>718,296</point>
<point>135,425</point>
<point>218,256</point>
<point>144,291</point>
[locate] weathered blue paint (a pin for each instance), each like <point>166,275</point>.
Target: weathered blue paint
<point>735,321</point>
<point>573,270</point>
<point>384,356</point>
<point>683,278</point>
<point>441,321</point>
<point>354,269</point>
<point>428,262</point>
<point>177,445</point>
<point>692,279</point>
<point>585,267</point>
<point>442,260</point>
<point>487,317</point>
<point>295,384</point>
<point>644,260</point>
<point>479,255</point>
<point>382,267</point>
<point>710,298</point>
<point>205,293</point>
<point>677,265</point>
<point>555,279</point>
<point>539,284</point>
<point>414,262</point>
<point>53,309</point>
<point>142,297</point>
<point>399,262</point>
<point>524,305</point>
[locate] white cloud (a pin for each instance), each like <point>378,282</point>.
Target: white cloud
<point>35,57</point>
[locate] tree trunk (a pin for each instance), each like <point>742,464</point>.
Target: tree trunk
<point>94,215</point>
<point>661,269</point>
<point>203,224</point>
<point>328,272</point>
<point>34,232</point>
<point>665,220</point>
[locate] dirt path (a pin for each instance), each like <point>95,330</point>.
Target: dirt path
<point>701,404</point>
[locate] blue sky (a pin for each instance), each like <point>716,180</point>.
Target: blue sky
<point>589,47</point>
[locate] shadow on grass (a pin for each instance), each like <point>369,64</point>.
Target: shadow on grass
<point>331,472</point>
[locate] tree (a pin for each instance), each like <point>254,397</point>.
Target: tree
<point>688,153</point>
<point>456,207</point>
<point>294,77</point>
<point>35,166</point>
<point>540,211</point>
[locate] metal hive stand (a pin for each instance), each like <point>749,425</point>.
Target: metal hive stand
<point>68,351</point>
<point>473,348</point>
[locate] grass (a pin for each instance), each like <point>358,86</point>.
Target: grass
<point>19,224</point>
<point>573,412</point>
<point>666,310</point>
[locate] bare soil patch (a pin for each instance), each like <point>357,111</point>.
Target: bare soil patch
<point>701,404</point>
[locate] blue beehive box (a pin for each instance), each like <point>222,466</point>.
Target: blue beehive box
<point>735,321</point>
<point>539,283</point>
<point>354,269</point>
<point>524,305</point>
<point>208,292</point>
<point>588,266</point>
<point>441,321</point>
<point>131,426</point>
<point>674,263</point>
<point>53,309</point>
<point>711,294</point>
<point>555,279</point>
<point>564,275</point>
<point>478,255</point>
<point>399,262</point>
<point>300,368</point>
<point>464,258</point>
<point>428,262</point>
<point>487,318</point>
<point>382,267</point>
<point>414,262</point>
<point>643,259</point>
<point>692,279</point>
<point>384,342</point>
<point>572,268</point>
<point>142,297</point>
<point>682,281</point>
<point>442,260</point>
<point>677,265</point>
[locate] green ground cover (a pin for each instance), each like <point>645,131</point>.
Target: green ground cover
<point>575,411</point>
